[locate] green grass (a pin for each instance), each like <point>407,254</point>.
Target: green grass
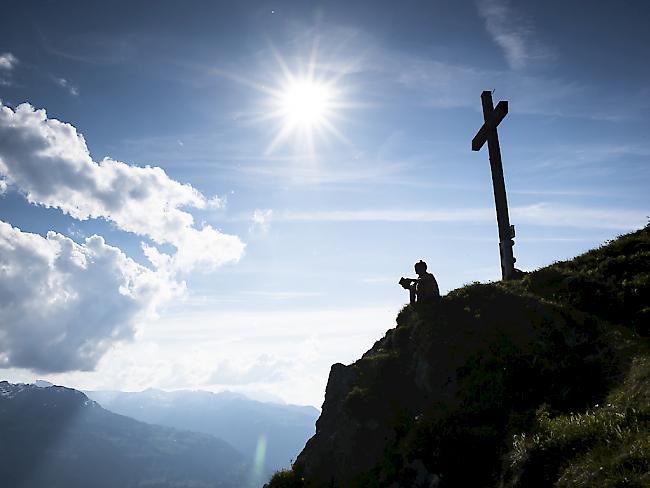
<point>607,445</point>
<point>286,478</point>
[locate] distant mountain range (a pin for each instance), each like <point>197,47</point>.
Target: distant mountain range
<point>270,435</point>
<point>57,437</point>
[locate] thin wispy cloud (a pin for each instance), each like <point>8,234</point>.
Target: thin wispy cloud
<point>68,86</point>
<point>91,47</point>
<point>261,221</point>
<point>8,61</point>
<point>281,294</point>
<point>328,173</point>
<point>557,215</point>
<point>265,369</point>
<point>402,215</point>
<point>377,279</point>
<point>543,214</point>
<point>7,64</point>
<point>439,83</point>
<point>595,156</point>
<point>510,30</point>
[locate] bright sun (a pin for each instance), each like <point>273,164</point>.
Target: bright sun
<point>305,104</point>
<point>304,108</point>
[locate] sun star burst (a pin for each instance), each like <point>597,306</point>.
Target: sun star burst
<point>305,103</point>
<point>304,108</point>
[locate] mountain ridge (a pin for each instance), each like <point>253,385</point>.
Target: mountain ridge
<point>242,422</point>
<point>57,437</point>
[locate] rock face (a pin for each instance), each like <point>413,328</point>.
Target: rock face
<point>423,364</point>
<point>436,402</point>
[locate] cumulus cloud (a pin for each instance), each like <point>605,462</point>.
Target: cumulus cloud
<point>49,162</point>
<point>63,305</point>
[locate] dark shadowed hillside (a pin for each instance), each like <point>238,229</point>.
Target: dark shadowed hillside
<point>538,382</point>
<point>56,437</point>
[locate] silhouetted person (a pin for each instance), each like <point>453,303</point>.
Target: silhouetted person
<point>424,288</point>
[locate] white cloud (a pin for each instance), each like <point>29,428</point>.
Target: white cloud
<point>191,349</point>
<point>457,215</point>
<point>8,61</point>
<point>7,64</point>
<point>264,369</point>
<point>261,221</point>
<point>597,157</point>
<point>216,202</point>
<point>279,294</point>
<point>327,173</point>
<point>510,31</point>
<point>63,83</point>
<point>64,305</point>
<point>541,214</point>
<point>442,84</point>
<point>548,214</point>
<point>49,162</point>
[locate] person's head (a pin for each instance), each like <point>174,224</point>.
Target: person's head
<point>420,267</point>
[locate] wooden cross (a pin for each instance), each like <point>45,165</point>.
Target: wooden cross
<point>488,132</point>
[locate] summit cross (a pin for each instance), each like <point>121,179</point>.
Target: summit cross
<point>488,132</point>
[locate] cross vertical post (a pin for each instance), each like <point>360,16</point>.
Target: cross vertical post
<point>488,133</point>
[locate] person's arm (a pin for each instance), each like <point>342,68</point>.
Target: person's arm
<point>407,282</point>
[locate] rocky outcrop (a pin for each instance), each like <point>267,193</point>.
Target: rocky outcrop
<point>436,402</point>
<point>423,363</point>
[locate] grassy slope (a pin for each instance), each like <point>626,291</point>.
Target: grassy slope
<point>549,380</point>
<point>607,444</point>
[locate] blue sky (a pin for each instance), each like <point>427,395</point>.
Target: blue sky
<point>250,265</point>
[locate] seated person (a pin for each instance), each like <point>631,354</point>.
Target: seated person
<point>424,288</point>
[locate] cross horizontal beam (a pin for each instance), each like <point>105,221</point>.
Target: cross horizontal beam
<point>498,114</point>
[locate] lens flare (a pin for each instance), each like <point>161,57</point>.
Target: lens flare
<point>258,462</point>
